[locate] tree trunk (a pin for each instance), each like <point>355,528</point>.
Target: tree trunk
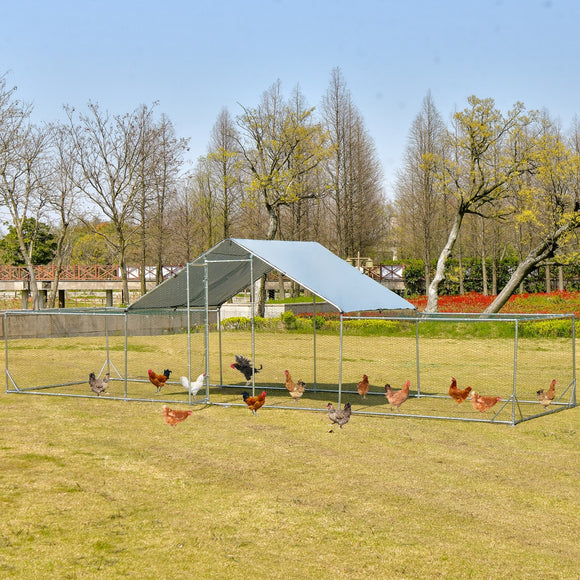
<point>433,291</point>
<point>272,230</point>
<point>543,251</point>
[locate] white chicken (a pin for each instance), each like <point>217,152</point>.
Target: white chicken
<point>194,386</point>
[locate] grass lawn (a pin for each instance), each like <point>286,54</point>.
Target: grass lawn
<point>105,489</point>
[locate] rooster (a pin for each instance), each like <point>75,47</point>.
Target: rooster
<point>244,365</point>
<point>397,398</point>
<point>194,386</point>
<point>340,417</point>
<point>159,380</point>
<point>174,416</point>
<point>482,404</point>
<point>363,387</point>
<point>296,390</point>
<point>254,403</point>
<point>546,397</point>
<point>98,386</point>
<point>458,394</point>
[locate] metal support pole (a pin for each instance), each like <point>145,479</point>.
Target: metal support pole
<point>206,284</point>
<point>126,349</point>
<point>252,305</point>
<point>187,297</point>
<point>515,374</point>
<point>314,336</point>
<point>573,398</point>
<point>340,364</point>
<point>417,359</point>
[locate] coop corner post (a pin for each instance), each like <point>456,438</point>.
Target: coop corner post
<point>187,298</point>
<point>417,359</point>
<point>6,372</point>
<point>206,285</point>
<point>573,399</point>
<point>515,373</point>
<point>252,307</point>
<point>314,335</point>
<point>126,351</point>
<point>340,362</point>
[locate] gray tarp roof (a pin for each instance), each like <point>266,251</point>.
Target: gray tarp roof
<point>231,262</point>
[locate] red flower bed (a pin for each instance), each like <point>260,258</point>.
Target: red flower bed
<point>544,303</point>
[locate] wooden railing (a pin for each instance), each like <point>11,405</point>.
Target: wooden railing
<point>79,272</point>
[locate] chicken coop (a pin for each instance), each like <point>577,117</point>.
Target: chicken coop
<point>353,327</point>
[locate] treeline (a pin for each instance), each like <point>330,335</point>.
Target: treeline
<point>488,187</point>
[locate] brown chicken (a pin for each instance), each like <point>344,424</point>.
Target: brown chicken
<point>254,403</point>
<point>363,387</point>
<point>546,397</point>
<point>458,394</point>
<point>174,416</point>
<point>482,404</point>
<point>397,398</point>
<point>340,417</point>
<point>159,380</point>
<point>296,390</point>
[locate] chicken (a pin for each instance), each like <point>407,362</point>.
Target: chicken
<point>546,397</point>
<point>482,404</point>
<point>296,390</point>
<point>98,386</point>
<point>244,365</point>
<point>363,387</point>
<point>174,416</point>
<point>194,386</point>
<point>458,394</point>
<point>340,417</point>
<point>159,380</point>
<point>254,403</point>
<point>397,398</point>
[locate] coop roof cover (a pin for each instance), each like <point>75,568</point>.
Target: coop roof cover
<point>234,263</point>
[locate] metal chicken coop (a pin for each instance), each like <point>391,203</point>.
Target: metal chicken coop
<point>370,330</point>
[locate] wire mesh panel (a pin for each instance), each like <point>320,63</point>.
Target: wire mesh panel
<point>504,359</point>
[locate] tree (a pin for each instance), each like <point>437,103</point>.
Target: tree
<point>39,242</point>
<point>550,205</point>
<point>23,169</point>
<point>279,144</point>
<point>355,200</point>
<point>489,150</point>
<point>109,151</point>
<point>420,197</point>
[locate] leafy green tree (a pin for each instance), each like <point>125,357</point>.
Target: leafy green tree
<point>488,151</point>
<point>40,244</point>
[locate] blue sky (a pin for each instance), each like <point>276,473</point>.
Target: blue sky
<point>197,57</point>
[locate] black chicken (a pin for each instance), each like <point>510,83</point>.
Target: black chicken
<point>244,365</point>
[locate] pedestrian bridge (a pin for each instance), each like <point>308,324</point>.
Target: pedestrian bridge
<point>75,278</point>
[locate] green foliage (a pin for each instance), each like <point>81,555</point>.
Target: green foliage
<point>289,320</point>
<point>546,329</point>
<point>37,235</point>
<point>243,323</point>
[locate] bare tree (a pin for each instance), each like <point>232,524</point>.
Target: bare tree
<point>355,201</point>
<point>419,195</point>
<point>109,152</point>
<point>62,198</point>
<point>23,167</point>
